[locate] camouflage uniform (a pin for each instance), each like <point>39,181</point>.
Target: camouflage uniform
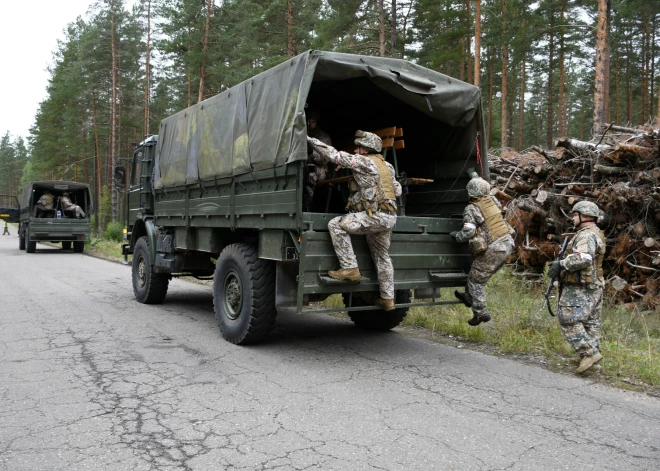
<point>318,165</point>
<point>489,255</point>
<point>45,203</point>
<point>582,291</point>
<point>69,206</point>
<point>377,226</point>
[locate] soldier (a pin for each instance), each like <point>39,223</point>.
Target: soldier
<point>582,285</point>
<point>490,243</point>
<point>318,167</point>
<point>6,231</point>
<point>44,204</point>
<point>69,206</point>
<point>373,211</point>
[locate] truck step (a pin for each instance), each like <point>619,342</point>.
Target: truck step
<point>328,280</point>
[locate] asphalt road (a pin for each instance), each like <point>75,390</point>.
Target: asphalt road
<point>92,380</point>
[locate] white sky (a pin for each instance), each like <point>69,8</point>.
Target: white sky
<point>28,33</point>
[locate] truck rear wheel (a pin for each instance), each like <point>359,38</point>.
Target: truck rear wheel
<point>149,287</point>
<point>378,319</point>
<point>30,246</point>
<point>78,246</point>
<point>66,245</point>
<point>244,294</point>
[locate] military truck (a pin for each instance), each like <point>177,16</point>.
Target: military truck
<point>9,208</point>
<point>57,225</point>
<point>220,192</point>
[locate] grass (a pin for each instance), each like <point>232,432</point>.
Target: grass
<point>104,248</point>
<point>630,339</point>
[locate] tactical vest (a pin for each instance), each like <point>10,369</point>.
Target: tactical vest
<point>586,274</point>
<point>384,190</point>
<point>495,223</point>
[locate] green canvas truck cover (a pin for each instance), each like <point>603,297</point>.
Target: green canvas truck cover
<point>260,123</point>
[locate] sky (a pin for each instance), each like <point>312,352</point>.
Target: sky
<point>28,33</point>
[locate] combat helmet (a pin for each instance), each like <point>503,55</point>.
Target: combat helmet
<point>586,208</point>
<point>477,187</point>
<point>368,140</point>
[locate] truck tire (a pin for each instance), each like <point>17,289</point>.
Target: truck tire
<point>66,245</point>
<point>21,239</point>
<point>30,246</point>
<point>149,287</point>
<point>378,319</point>
<point>244,294</point>
<point>78,246</point>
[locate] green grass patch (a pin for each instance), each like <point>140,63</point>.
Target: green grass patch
<point>630,339</point>
<point>104,248</point>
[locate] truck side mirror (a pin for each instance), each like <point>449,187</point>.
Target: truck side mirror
<point>120,177</point>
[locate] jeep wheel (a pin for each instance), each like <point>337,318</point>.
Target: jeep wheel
<point>244,294</point>
<point>378,319</point>
<point>66,245</point>
<point>78,246</point>
<point>149,287</point>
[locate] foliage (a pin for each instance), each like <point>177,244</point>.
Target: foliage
<point>113,231</point>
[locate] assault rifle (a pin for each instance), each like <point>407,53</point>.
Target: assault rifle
<point>554,278</point>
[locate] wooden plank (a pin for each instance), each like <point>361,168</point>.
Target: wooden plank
<point>388,142</point>
<point>399,144</point>
<point>418,181</point>
<point>387,132</point>
<point>334,180</point>
<point>399,132</point>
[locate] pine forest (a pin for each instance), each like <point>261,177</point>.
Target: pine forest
<point>547,69</point>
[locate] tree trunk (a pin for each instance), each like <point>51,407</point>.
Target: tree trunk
<point>289,28</point>
<point>477,44</point>
<point>602,55</point>
<point>145,127</point>
<point>645,67</point>
<point>205,47</point>
<point>97,163</point>
<point>393,29</point>
<point>467,43</point>
<point>617,87</point>
<point>381,28</point>
<point>113,120</point>
<point>491,80</point>
<point>521,105</point>
<point>551,91</point>
<point>505,56</point>
<point>561,111</point>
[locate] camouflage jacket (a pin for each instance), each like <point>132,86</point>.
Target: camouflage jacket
<point>473,224</point>
<point>324,137</point>
<point>585,254</point>
<point>364,171</point>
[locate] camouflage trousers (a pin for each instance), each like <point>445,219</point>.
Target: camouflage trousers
<point>378,230</point>
<point>77,210</point>
<point>484,266</point>
<point>579,317</point>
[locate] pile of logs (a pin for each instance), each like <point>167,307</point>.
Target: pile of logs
<point>620,172</point>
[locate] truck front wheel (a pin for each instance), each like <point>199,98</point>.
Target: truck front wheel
<point>244,294</point>
<point>149,287</point>
<point>378,319</point>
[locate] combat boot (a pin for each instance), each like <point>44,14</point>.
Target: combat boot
<point>351,274</point>
<point>465,298</point>
<point>587,362</point>
<point>479,318</point>
<point>387,304</point>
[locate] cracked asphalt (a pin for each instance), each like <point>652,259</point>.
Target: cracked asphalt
<point>92,380</point>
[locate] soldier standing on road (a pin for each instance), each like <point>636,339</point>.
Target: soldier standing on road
<point>582,285</point>
<point>373,211</point>
<point>318,167</point>
<point>490,241</point>
<point>6,231</point>
<point>69,206</point>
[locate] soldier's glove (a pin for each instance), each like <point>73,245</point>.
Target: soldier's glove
<point>453,234</point>
<point>555,270</point>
